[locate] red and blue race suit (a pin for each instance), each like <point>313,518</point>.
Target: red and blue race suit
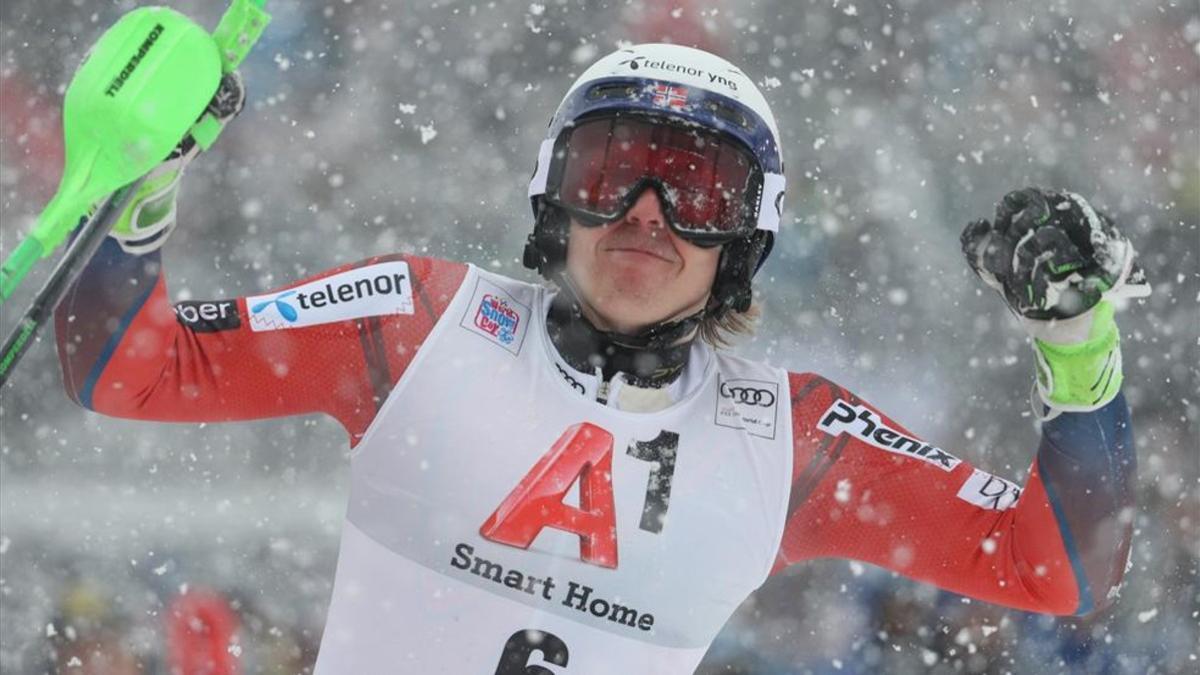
<point>860,486</point>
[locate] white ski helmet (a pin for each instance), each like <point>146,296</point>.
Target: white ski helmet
<point>681,86</point>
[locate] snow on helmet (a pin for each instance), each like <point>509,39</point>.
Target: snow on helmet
<point>678,85</point>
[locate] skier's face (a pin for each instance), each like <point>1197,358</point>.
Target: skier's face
<point>635,271</point>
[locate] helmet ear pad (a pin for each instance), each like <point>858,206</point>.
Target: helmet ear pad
<point>740,260</point>
<point>546,246</point>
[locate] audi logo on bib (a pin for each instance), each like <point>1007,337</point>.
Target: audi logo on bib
<point>748,395</point>
<point>747,404</point>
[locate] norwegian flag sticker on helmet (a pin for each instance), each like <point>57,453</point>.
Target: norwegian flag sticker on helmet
<point>668,96</point>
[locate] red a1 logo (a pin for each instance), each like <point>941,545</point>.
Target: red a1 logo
<point>584,452</point>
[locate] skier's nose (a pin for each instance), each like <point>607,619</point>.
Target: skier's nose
<point>647,211</point>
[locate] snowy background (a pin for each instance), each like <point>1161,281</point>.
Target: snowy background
<point>376,126</point>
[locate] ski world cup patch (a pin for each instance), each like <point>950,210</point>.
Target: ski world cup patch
<point>989,492</point>
<point>374,290</point>
<point>863,424</point>
<point>497,316</point>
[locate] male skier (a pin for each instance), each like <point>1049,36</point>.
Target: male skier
<point>573,479</point>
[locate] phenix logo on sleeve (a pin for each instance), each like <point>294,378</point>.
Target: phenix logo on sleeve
<point>862,423</point>
<point>374,290</point>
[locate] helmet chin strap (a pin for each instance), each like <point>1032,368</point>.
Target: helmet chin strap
<point>653,357</point>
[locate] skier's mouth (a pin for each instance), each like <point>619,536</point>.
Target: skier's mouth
<point>639,253</point>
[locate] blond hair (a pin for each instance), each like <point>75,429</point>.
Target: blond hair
<point>721,332</point>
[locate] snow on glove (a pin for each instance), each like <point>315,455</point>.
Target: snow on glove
<point>1057,262</point>
<point>150,217</point>
<point>1051,255</point>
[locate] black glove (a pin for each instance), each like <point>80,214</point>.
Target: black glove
<point>1051,255</point>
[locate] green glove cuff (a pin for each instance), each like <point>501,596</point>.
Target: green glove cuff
<point>150,216</point>
<point>154,201</point>
<point>1082,376</point>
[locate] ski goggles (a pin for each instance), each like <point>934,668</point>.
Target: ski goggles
<point>709,183</point>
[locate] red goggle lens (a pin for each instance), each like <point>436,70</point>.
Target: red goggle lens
<point>705,178</point>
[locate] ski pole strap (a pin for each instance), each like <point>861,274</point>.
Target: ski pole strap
<point>239,29</point>
<point>1081,376</point>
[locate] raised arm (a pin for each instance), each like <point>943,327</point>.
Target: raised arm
<point>335,342</point>
<point>865,488</point>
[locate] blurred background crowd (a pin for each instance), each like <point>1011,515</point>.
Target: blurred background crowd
<point>375,126</point>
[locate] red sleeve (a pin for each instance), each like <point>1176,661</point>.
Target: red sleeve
<point>137,355</point>
<point>865,488</point>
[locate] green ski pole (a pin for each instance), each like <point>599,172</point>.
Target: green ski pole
<point>91,235</point>
<point>145,85</point>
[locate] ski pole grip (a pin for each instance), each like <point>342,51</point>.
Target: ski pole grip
<point>28,252</point>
